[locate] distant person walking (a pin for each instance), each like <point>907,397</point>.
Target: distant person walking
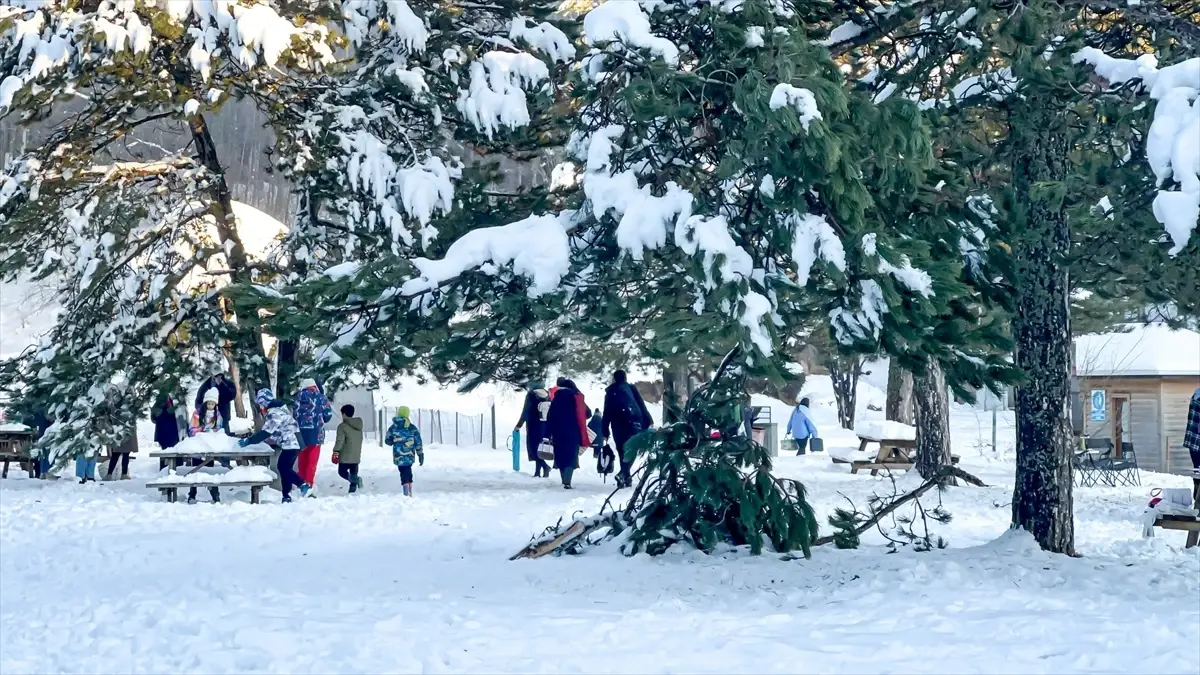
<point>625,416</point>
<point>568,429</point>
<point>533,416</point>
<point>169,415</point>
<point>312,413</point>
<point>122,452</point>
<point>1191,435</point>
<point>800,426</point>
<point>279,431</point>
<point>226,392</point>
<point>347,447</point>
<point>407,448</point>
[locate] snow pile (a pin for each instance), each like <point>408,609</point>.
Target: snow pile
<point>215,442</point>
<point>623,21</point>
<point>880,430</point>
<point>13,426</point>
<point>802,100</point>
<point>1173,144</point>
<point>1138,350</point>
<point>238,474</point>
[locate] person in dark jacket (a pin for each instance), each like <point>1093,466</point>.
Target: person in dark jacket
<point>226,392</point>
<point>567,427</point>
<point>1191,433</point>
<point>625,416</point>
<point>166,415</point>
<point>596,426</point>
<point>533,417</point>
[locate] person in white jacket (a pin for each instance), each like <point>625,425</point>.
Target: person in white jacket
<point>800,426</point>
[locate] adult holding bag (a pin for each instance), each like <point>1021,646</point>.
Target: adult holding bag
<point>567,428</point>
<point>625,416</point>
<point>801,428</point>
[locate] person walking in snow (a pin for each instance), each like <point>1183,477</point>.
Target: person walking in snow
<point>279,431</point>
<point>596,426</point>
<point>207,417</point>
<point>122,452</point>
<point>1191,435</point>
<point>567,427</point>
<point>625,416</point>
<point>347,447</point>
<point>407,448</point>
<point>226,392</point>
<point>800,426</point>
<point>533,417</point>
<point>312,413</point>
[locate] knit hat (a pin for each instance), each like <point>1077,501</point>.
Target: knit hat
<point>403,412</point>
<point>307,383</point>
<point>212,395</point>
<point>264,397</point>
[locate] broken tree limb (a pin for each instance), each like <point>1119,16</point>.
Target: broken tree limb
<point>555,540</point>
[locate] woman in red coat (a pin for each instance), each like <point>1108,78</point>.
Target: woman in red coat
<point>567,428</point>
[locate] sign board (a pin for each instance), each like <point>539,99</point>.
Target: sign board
<point>1099,405</point>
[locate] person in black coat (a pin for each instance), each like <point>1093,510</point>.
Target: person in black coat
<point>625,416</point>
<point>165,415</point>
<point>567,428</point>
<point>596,426</point>
<point>533,416</point>
<point>226,392</point>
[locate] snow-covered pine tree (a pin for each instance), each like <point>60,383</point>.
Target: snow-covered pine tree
<point>124,204</point>
<point>398,152</point>
<point>1055,158</point>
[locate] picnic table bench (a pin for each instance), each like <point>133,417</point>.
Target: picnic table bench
<point>14,447</point>
<point>1189,524</point>
<point>202,475</point>
<point>894,454</point>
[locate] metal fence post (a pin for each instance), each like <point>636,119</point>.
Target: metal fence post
<point>516,450</point>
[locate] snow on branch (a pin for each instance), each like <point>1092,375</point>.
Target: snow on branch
<point>495,97</point>
<point>812,236</point>
<point>801,99</point>
<point>624,21</point>
<point>543,37</point>
<point>1173,144</point>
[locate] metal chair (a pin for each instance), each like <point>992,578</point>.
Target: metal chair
<point>1125,468</point>
<point>1093,464</point>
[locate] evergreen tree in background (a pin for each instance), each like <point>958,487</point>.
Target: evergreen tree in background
<point>136,228</point>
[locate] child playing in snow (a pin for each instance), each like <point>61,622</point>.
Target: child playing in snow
<point>279,431</point>
<point>207,418</point>
<point>406,444</point>
<point>347,449</point>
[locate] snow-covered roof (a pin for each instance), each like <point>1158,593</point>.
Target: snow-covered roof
<point>1140,351</point>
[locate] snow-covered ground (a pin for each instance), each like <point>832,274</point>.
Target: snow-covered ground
<point>106,578</point>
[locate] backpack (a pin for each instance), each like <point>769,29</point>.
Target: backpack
<point>604,463</point>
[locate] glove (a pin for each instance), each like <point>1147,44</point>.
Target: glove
<point>421,459</point>
<point>244,442</point>
<point>336,458</point>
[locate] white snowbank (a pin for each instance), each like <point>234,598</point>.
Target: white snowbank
<point>216,441</point>
<point>13,426</point>
<point>1142,350</point>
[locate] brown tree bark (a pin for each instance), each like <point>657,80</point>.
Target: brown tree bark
<point>675,392</point>
<point>1042,496</point>
<point>899,406</point>
<point>933,422</point>
<point>844,372</point>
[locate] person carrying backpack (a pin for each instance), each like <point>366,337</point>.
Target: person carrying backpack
<point>407,448</point>
<point>800,426</point>
<point>625,416</point>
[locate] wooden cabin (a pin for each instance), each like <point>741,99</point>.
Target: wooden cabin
<point>1145,378</point>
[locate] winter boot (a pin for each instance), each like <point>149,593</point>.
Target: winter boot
<point>358,482</point>
<point>216,495</point>
<point>126,476</point>
<point>406,489</point>
<point>304,489</point>
<point>191,500</point>
<point>353,487</point>
<point>287,499</point>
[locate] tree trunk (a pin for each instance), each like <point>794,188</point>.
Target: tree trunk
<point>246,345</point>
<point>899,407</point>
<point>933,422</point>
<point>675,392</point>
<point>1042,500</point>
<point>844,372</point>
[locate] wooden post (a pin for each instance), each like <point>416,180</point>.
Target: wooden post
<point>493,424</point>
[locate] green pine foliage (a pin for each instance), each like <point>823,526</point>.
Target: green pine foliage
<point>712,492</point>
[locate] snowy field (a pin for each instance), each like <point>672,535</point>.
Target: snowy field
<point>106,578</point>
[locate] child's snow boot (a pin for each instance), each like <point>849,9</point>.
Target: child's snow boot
<point>304,489</point>
<point>191,500</point>
<point>406,489</point>
<point>358,481</point>
<point>353,487</point>
<point>287,499</point>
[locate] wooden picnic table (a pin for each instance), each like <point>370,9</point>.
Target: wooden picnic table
<point>175,460</point>
<point>1189,524</point>
<point>894,454</point>
<point>14,447</point>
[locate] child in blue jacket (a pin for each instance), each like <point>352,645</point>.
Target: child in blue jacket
<point>405,439</point>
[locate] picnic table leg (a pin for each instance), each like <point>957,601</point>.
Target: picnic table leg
<point>172,495</point>
<point>254,492</point>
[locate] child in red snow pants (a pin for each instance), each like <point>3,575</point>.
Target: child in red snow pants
<point>306,466</point>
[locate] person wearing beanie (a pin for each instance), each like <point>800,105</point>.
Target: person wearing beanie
<point>312,412</point>
<point>222,384</point>
<point>347,448</point>
<point>407,449</point>
<point>280,432</point>
<point>207,418</point>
